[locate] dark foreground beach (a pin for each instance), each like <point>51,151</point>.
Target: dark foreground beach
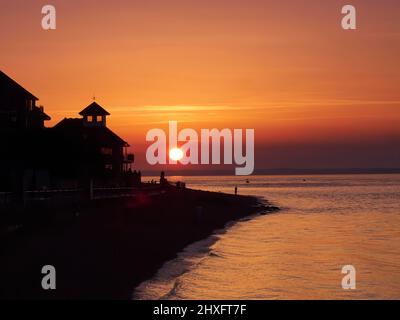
<point>105,248</point>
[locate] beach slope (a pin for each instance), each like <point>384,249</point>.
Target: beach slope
<point>105,248</point>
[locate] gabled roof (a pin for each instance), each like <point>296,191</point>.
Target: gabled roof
<point>94,109</point>
<point>11,86</point>
<point>69,123</point>
<point>73,127</point>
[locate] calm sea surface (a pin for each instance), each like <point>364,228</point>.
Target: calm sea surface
<point>326,222</point>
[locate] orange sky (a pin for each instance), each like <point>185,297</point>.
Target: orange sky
<point>284,68</point>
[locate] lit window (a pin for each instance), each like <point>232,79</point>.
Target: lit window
<point>90,119</point>
<point>99,119</point>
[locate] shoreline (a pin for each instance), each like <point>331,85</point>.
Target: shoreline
<point>196,250</point>
<point>114,245</point>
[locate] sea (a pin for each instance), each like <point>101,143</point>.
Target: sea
<point>326,222</point>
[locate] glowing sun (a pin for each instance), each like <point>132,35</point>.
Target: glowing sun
<point>176,154</point>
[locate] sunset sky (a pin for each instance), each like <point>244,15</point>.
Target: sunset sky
<point>317,96</point>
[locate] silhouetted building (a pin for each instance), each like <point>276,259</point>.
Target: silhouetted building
<point>89,149</point>
<point>23,137</point>
<point>73,153</point>
<point>18,108</point>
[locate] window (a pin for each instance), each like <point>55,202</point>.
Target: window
<point>29,105</point>
<point>107,151</point>
<point>89,118</point>
<point>108,167</point>
<point>99,119</point>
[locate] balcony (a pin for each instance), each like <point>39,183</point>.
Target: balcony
<point>129,158</point>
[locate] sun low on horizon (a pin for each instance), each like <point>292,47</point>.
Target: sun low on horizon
<point>176,154</point>
<point>315,94</point>
<point>221,153</point>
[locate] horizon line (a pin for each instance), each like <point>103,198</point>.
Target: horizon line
<point>278,171</point>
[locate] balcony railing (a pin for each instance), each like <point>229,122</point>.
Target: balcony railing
<point>129,158</point>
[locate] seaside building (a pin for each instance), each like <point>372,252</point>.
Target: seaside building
<point>18,108</point>
<point>91,149</point>
<point>69,155</point>
<point>22,133</point>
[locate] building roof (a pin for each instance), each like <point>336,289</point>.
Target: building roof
<point>94,109</point>
<point>11,86</point>
<point>75,127</point>
<point>39,112</point>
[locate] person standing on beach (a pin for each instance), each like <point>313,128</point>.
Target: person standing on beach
<point>236,190</point>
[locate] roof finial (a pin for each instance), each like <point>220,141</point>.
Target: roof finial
<point>94,97</point>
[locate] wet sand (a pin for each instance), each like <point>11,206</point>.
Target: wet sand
<point>104,249</point>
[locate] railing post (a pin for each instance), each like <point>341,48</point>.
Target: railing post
<point>91,195</point>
